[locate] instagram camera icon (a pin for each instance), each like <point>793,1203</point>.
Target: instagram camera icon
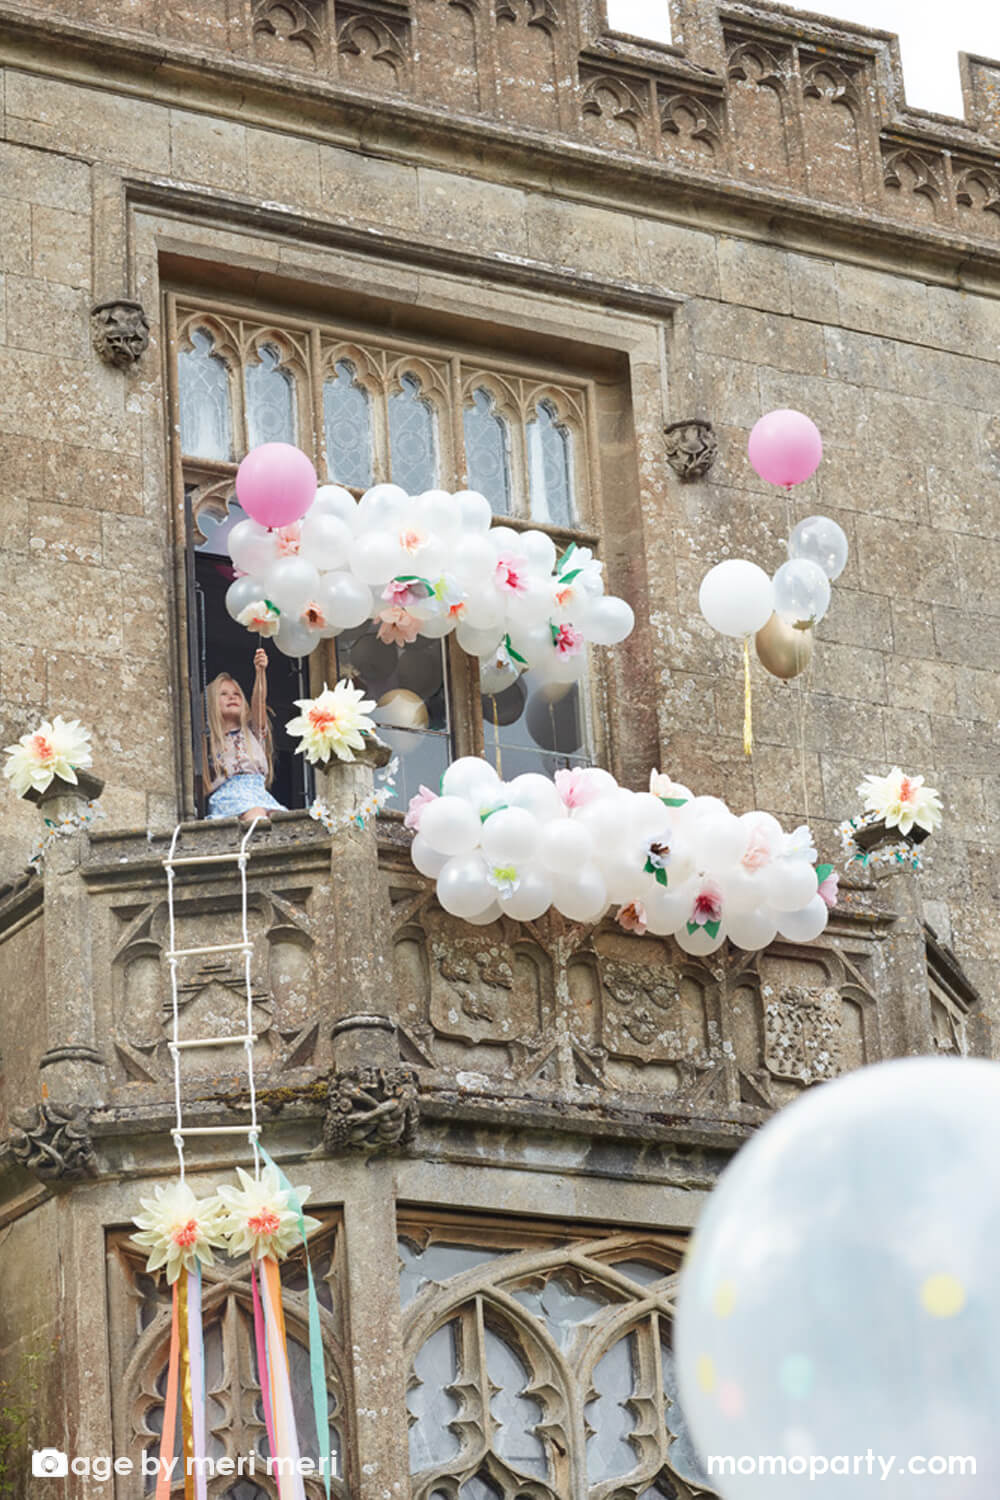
<point>49,1463</point>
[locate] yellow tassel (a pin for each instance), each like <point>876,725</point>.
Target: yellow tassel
<point>747,700</point>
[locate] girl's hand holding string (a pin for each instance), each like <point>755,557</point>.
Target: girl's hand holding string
<point>260,659</point>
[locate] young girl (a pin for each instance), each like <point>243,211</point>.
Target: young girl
<point>238,768</point>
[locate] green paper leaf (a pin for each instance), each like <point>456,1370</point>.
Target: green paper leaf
<point>555,632</point>
<point>514,655</point>
<point>673,801</point>
<point>491,810</point>
<point>692,927</point>
<point>822,871</point>
<point>565,558</point>
<point>712,928</point>
<point>661,877</point>
<point>568,577</point>
<point>277,611</point>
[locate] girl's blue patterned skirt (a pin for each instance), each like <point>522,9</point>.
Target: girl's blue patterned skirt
<point>239,794</point>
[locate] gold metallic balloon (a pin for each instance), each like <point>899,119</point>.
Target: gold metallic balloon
<point>402,709</point>
<point>784,650</point>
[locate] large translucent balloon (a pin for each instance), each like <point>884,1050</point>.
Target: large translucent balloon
<point>582,897</point>
<point>464,887</point>
<point>291,583</point>
<point>345,600</point>
<point>805,923</point>
<point>293,638</point>
<point>736,597</point>
<point>841,1296</point>
<point>450,825</point>
<point>822,541</point>
<point>801,592</point>
<point>483,918</point>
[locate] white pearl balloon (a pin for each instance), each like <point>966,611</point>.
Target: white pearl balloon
<point>450,825</point>
<point>607,621</point>
<point>464,888</point>
<point>805,924</point>
<point>334,500</point>
<point>532,897</point>
<point>345,600</point>
<point>252,547</point>
<point>475,511</point>
<point>565,846</point>
<point>427,859</point>
<point>581,897</point>
<point>325,541</point>
<point>290,583</point>
<point>510,836</point>
<point>243,592</point>
<point>752,929</point>
<point>467,774</point>
<point>736,597</point>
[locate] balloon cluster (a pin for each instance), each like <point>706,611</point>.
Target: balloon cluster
<point>737,598</point>
<point>317,562</point>
<point>675,864</point>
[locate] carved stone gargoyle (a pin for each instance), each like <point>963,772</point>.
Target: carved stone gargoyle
<point>691,447</point>
<point>53,1141</point>
<point>120,332</point>
<point>370,1108</point>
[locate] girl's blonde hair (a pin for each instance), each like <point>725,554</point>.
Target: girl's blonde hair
<point>221,758</point>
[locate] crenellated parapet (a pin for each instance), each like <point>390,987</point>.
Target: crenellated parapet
<point>750,94</point>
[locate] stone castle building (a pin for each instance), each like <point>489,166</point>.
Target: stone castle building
<point>488,243</point>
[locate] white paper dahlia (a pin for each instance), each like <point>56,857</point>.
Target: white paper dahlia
<point>178,1229</point>
<point>334,723</point>
<point>60,748</point>
<point>259,1217</point>
<point>902,801</point>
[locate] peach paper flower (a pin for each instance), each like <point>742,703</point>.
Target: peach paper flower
<point>397,626</point>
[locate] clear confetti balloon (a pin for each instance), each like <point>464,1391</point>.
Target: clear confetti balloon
<point>822,541</point>
<point>839,1312</point>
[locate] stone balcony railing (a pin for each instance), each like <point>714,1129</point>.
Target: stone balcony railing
<point>372,1006</point>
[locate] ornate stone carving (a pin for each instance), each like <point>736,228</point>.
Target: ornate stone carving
<point>610,106</point>
<point>53,1141</point>
<point>369,1109</point>
<point>691,117</point>
<point>373,51</point>
<point>802,1034</point>
<point>691,447</point>
<point>288,21</point>
<point>120,332</point>
<point>978,187</point>
<point>915,171</point>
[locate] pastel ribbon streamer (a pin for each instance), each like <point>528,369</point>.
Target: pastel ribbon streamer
<point>196,1345</point>
<point>263,1373</point>
<point>317,1364</point>
<point>187,1410</point>
<point>289,1479</point>
<point>167,1436</point>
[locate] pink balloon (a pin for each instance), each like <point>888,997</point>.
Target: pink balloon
<point>275,484</point>
<point>785,447</point>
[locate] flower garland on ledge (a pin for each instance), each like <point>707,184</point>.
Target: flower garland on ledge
<point>896,801</point>
<point>368,808</point>
<point>61,827</point>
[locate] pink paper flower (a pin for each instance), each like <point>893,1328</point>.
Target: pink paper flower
<point>412,541</point>
<point>289,540</point>
<point>399,593</point>
<point>313,616</point>
<point>575,788</point>
<point>398,627</point>
<point>828,889</point>
<point>632,917</point>
<point>568,641</point>
<point>758,851</point>
<point>707,906</point>
<point>511,575</point>
<point>415,811</point>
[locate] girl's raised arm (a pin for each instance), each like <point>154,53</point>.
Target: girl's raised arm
<point>258,701</point>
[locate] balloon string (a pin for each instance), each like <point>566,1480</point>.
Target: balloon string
<point>496,736</point>
<point>747,700</point>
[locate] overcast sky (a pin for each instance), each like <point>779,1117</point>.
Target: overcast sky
<point>931,35</point>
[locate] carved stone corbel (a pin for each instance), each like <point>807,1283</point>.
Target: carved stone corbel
<point>120,331</point>
<point>691,447</point>
<point>53,1141</point>
<point>371,1100</point>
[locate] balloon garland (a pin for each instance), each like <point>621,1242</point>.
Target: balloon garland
<point>738,599</point>
<point>673,863</point>
<point>317,562</point>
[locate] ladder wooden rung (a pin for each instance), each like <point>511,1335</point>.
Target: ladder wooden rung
<point>215,948</point>
<point>204,859</point>
<point>215,1041</point>
<point>216,1130</point>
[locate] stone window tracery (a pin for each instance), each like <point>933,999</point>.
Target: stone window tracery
<point>543,1371</point>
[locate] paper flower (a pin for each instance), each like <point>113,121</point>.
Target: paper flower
<point>415,810</point>
<point>670,792</point>
<point>403,591</point>
<point>579,565</point>
<point>799,844</point>
<point>902,801</point>
<point>657,851</point>
<point>828,880</point>
<point>262,617</point>
<point>259,1219</point>
<point>576,788</point>
<point>179,1230</point>
<point>397,626</point>
<point>313,616</point>
<point>707,911</point>
<point>567,640</point>
<point>632,917</point>
<point>511,575</point>
<point>333,723</point>
<point>504,878</point>
<point>289,540</point>
<point>57,748</point>
<point>413,540</point>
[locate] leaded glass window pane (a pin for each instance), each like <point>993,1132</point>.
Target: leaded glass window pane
<point>516,1414</point>
<point>432,1403</point>
<point>550,467</point>
<point>412,438</point>
<point>203,384</point>
<point>534,726</point>
<point>410,689</point>
<point>682,1456</point>
<point>609,1452</point>
<point>487,451</point>
<point>270,399</point>
<point>436,1264</point>
<point>347,418</point>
